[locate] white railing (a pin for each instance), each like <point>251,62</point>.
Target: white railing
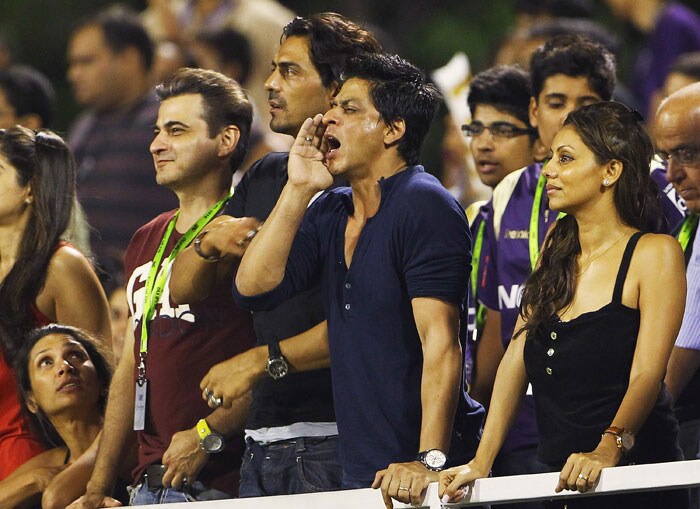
<point>494,491</point>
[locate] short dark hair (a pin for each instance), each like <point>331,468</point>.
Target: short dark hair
<point>122,29</point>
<point>567,26</point>
<point>98,353</point>
<point>505,87</point>
<point>224,102</point>
<point>576,56</point>
<point>333,39</point>
<point>688,64</point>
<point>231,46</point>
<point>28,92</point>
<point>399,90</point>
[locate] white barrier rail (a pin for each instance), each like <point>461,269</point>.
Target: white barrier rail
<point>493,491</point>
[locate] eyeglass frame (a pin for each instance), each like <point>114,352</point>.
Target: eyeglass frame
<point>516,131</point>
<point>677,155</point>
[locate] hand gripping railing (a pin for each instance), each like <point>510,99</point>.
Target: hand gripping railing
<point>493,491</point>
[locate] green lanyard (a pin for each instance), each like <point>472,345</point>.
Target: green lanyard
<point>476,258</point>
<point>155,283</point>
<point>533,235</point>
<point>689,225</point>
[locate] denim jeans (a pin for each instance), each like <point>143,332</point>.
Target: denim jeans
<point>300,465</point>
<point>142,495</point>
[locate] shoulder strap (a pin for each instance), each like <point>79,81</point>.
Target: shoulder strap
<point>624,266</point>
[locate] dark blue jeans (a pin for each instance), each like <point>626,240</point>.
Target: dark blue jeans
<point>300,465</point>
<point>142,495</point>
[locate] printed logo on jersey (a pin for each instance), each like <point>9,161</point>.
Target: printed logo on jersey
<point>163,309</point>
<point>509,298</point>
<point>516,234</point>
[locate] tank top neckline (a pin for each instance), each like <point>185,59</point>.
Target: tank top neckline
<point>619,285</point>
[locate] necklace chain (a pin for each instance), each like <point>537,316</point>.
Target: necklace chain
<point>594,258</point>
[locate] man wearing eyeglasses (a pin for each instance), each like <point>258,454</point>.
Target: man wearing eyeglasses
<point>676,129</point>
<point>501,141</point>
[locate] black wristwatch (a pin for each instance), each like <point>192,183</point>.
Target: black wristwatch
<point>433,459</point>
<point>277,366</point>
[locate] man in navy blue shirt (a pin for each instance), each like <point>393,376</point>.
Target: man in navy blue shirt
<point>392,253</point>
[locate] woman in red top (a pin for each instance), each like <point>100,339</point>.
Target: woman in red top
<point>41,279</point>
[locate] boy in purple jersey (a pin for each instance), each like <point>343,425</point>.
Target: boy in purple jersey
<point>566,73</point>
<point>498,101</point>
<point>501,141</point>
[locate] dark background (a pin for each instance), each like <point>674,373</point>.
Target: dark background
<point>427,32</point>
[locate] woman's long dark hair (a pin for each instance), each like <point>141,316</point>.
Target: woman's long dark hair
<point>612,132</point>
<point>43,161</point>
<point>98,353</point>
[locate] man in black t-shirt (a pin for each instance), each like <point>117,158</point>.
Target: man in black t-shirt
<point>291,420</point>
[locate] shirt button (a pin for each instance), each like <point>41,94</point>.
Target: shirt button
<point>553,335</point>
<point>549,371</point>
<point>347,307</point>
<point>550,352</point>
<point>348,285</point>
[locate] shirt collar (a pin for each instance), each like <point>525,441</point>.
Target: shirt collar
<point>386,184</point>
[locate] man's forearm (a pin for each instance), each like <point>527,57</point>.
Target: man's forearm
<point>229,421</point>
<point>117,433</point>
<point>263,265</point>
<point>192,278</point>
<point>439,393</point>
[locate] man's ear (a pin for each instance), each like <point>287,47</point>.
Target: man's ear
<point>394,131</point>
<point>532,111</point>
<point>229,140</point>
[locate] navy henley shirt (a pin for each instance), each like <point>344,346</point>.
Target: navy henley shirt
<point>416,245</point>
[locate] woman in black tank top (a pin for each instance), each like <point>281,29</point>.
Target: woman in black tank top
<point>599,317</point>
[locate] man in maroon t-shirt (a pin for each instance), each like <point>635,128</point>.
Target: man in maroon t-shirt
<point>200,136</point>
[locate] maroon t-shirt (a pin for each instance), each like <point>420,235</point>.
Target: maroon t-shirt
<point>184,342</point>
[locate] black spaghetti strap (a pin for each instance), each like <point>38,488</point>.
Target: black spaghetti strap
<point>624,267</point>
<point>67,458</point>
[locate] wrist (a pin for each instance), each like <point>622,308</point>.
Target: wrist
<point>608,448</point>
<point>204,249</point>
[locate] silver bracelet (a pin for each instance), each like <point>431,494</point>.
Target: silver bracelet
<point>198,249</point>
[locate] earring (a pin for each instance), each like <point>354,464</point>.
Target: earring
<point>28,201</point>
<point>606,182</point>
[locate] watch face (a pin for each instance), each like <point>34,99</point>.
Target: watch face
<point>277,367</point>
<point>435,458</point>
<point>213,443</point>
<point>627,440</point>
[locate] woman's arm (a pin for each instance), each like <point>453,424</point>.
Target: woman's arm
<point>661,300</point>
<point>73,294</point>
<point>508,391</point>
<point>71,482</point>
<point>27,482</point>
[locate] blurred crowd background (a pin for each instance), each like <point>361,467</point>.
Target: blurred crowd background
<point>427,32</point>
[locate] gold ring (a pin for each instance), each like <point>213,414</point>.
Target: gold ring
<point>404,488</point>
<point>584,477</point>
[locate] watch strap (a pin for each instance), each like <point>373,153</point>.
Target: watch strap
<point>203,429</point>
<point>273,349</point>
<point>619,434</point>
